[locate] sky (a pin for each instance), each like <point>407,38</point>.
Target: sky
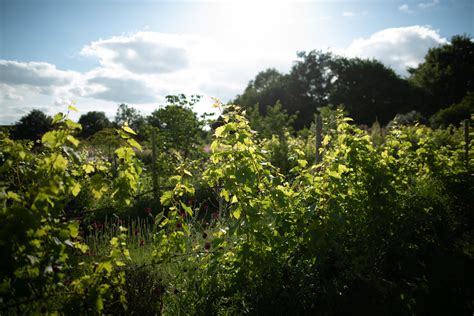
<point>101,53</point>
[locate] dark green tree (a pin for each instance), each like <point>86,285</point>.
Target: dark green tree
<point>310,82</point>
<point>178,127</point>
<point>92,122</point>
<point>300,92</point>
<point>446,74</point>
<point>275,122</point>
<point>32,126</point>
<point>369,91</point>
<point>268,87</point>
<point>454,114</point>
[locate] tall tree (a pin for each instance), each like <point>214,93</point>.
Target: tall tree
<point>446,74</point>
<point>268,87</point>
<point>32,126</point>
<point>310,82</point>
<point>177,124</point>
<point>92,122</point>
<point>369,90</point>
<point>129,115</point>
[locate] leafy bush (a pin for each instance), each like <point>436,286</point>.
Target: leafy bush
<point>371,229</point>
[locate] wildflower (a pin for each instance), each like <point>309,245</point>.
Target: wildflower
<point>204,235</point>
<point>207,245</point>
<point>148,210</point>
<point>142,242</point>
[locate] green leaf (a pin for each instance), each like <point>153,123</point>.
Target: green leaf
<point>128,129</point>
<point>49,139</point>
<point>302,162</point>
<point>73,140</point>
<point>342,168</point>
<point>58,117</point>
<point>234,199</point>
<point>76,189</point>
<point>166,198</point>
<point>134,143</point>
<point>73,230</point>
<point>187,209</point>
<point>13,196</point>
<point>88,168</point>
<point>220,130</point>
<point>236,213</point>
<point>72,125</point>
<point>72,108</point>
<point>107,266</point>
<point>60,163</point>
<point>187,172</point>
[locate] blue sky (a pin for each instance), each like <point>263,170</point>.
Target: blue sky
<point>105,52</point>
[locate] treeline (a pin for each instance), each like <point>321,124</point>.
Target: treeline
<point>439,92</point>
<point>439,89</point>
<point>176,121</point>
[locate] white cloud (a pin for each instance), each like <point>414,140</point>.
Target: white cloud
<point>398,48</point>
<point>348,14</point>
<point>33,74</point>
<point>428,5</point>
<point>143,52</point>
<point>405,8</point>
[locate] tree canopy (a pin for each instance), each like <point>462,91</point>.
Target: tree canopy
<point>446,75</point>
<point>32,126</point>
<point>92,122</point>
<point>368,90</point>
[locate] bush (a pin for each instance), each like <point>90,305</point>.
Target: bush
<point>454,114</point>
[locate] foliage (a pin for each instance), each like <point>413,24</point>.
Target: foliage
<point>32,126</point>
<point>177,126</point>
<point>446,73</point>
<point>455,113</point>
<point>43,268</point>
<point>408,118</point>
<point>93,122</point>
<point>129,115</point>
<point>268,88</point>
<point>369,90</point>
<point>379,226</point>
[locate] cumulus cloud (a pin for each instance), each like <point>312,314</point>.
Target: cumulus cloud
<point>127,90</point>
<point>36,74</point>
<point>398,48</point>
<point>143,52</point>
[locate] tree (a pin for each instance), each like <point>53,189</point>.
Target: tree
<point>92,122</point>
<point>32,126</point>
<point>454,114</point>
<point>446,74</point>
<point>268,87</point>
<point>310,82</point>
<point>300,92</point>
<point>275,122</point>
<point>369,90</point>
<point>129,115</point>
<point>178,126</point>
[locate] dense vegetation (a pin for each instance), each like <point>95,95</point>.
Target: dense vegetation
<point>159,215</point>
